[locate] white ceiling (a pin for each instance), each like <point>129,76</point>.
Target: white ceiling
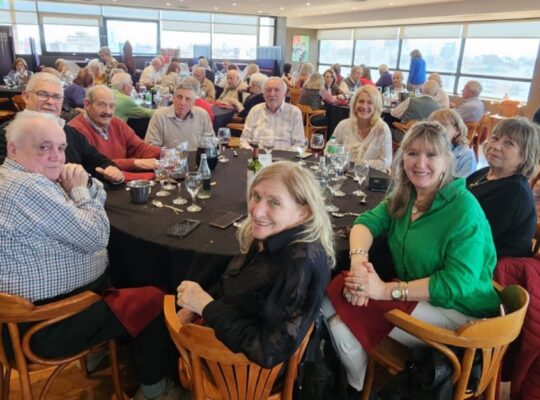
<point>316,14</point>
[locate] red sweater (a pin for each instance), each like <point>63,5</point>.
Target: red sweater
<point>123,145</point>
<point>206,106</point>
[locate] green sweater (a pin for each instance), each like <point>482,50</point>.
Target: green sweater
<point>127,108</point>
<point>451,244</point>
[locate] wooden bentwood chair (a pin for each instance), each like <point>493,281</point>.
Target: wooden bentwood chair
<point>15,310</point>
<point>212,371</point>
<point>307,115</point>
<point>490,336</point>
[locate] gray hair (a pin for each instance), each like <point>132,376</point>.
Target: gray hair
<point>104,50</point>
<point>59,62</point>
<point>276,79</point>
<point>203,63</point>
<point>190,83</point>
<point>304,188</point>
<point>383,68</point>
<point>258,79</point>
<point>95,63</point>
<point>430,88</point>
<point>90,96</point>
<point>356,68</point>
<point>23,124</point>
<point>39,77</point>
<point>307,69</point>
<point>119,80</point>
<point>475,87</point>
<point>199,68</point>
<point>526,134</point>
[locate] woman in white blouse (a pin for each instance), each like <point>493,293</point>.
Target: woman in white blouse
<point>365,135</point>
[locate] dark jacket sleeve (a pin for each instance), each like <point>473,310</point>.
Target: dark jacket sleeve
<point>3,144</point>
<point>79,151</point>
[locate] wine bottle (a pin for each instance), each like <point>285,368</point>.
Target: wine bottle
<point>254,165</point>
<point>206,176</point>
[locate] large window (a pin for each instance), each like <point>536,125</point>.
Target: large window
<point>376,52</point>
<point>141,34</point>
<point>441,55</point>
<point>23,34</point>
<point>234,37</point>
<point>71,35</point>
<point>499,88</point>
<point>335,51</point>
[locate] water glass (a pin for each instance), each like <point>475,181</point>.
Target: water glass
<point>224,136</point>
<point>361,172</point>
<point>193,185</point>
<point>268,143</point>
<point>300,146</point>
<point>161,175</point>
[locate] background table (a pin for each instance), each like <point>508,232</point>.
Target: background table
<point>9,93</point>
<point>142,254</point>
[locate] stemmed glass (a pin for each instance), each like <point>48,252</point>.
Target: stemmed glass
<point>339,161</point>
<point>168,156</point>
<point>179,174</point>
<point>161,175</point>
<point>335,180</point>
<point>268,143</point>
<point>300,145</point>
<point>316,144</point>
<point>224,136</point>
<point>193,185</point>
<point>361,172</point>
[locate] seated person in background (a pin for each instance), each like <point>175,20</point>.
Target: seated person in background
<point>203,63</point>
<point>441,246</point>
<point>96,68</point>
<point>256,84</point>
<point>250,70</point>
<point>397,82</point>
<point>122,86</point>
<point>472,108</point>
<point>536,116</point>
<point>271,294</point>
<point>331,86</point>
<point>106,57</point>
<point>465,160</point>
<point>227,65</point>
<point>21,71</point>
<point>232,92</point>
<point>152,74</point>
<point>182,121</point>
<point>287,76</point>
<point>74,94</point>
<point>364,134</point>
<point>208,91</point>
<point>44,94</point>
<point>171,79</point>
<point>365,78</point>
<point>63,251</point>
<point>310,95</point>
<point>353,81</point>
<point>65,74</point>
<point>199,102</point>
<point>385,78</point>
<point>305,72</point>
<point>340,81</point>
<point>512,152</point>
<point>416,108</point>
<point>112,136</point>
<point>441,97</point>
<point>283,119</point>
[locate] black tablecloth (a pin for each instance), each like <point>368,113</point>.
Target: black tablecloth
<point>222,117</point>
<point>142,254</point>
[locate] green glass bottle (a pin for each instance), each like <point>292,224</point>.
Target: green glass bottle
<point>254,164</point>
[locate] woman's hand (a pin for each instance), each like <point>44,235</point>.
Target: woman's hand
<point>192,296</point>
<point>364,284</point>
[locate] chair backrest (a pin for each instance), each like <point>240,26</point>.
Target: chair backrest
<point>509,108</point>
<point>490,336</point>
<point>211,370</point>
<point>18,102</point>
<point>472,128</point>
<point>481,135</point>
<point>295,95</point>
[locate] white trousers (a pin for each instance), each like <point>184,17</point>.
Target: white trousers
<point>353,356</point>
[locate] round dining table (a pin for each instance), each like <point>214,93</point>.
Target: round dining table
<point>141,253</point>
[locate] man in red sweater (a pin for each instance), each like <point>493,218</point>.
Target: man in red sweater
<point>112,136</point>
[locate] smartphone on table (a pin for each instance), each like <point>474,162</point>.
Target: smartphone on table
<point>184,228</point>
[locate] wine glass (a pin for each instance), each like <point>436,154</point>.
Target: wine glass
<point>179,174</point>
<point>316,144</point>
<point>142,92</point>
<point>161,175</point>
<point>300,145</point>
<point>268,143</point>
<point>193,185</point>
<point>254,138</point>
<point>168,156</point>
<point>361,172</point>
<point>335,180</point>
<point>224,136</point>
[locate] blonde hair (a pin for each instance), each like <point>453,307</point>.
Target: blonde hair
<point>376,99</point>
<point>305,190</point>
<point>315,81</point>
<point>526,135</point>
<point>401,189</point>
<point>447,116</point>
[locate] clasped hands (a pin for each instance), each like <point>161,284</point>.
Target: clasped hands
<point>192,298</point>
<point>363,283</point>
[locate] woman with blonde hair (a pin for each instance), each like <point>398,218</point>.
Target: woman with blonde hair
<point>305,72</point>
<point>271,294</point>
<point>172,78</point>
<point>465,160</point>
<point>441,97</point>
<point>364,133</point>
<point>310,94</point>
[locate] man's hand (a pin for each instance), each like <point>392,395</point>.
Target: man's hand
<point>111,174</point>
<point>146,163</point>
<point>73,175</point>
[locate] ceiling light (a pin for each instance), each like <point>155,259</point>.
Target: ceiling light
<point>281,8</point>
<point>168,4</point>
<point>260,12</point>
<point>355,8</point>
<point>234,4</point>
<point>308,4</point>
<point>216,8</point>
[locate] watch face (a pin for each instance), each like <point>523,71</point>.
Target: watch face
<point>396,294</point>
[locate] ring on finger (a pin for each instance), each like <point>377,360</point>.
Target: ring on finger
<point>360,288</point>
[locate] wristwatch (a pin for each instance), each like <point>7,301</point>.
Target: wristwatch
<point>396,293</point>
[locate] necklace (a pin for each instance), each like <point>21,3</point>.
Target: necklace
<point>480,181</point>
<point>420,206</point>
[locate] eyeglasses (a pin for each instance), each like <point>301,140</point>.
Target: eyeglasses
<point>44,96</point>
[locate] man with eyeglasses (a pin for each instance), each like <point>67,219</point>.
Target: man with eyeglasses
<point>44,94</point>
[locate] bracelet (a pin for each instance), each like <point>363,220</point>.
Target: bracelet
<point>362,252</point>
<point>404,288</point>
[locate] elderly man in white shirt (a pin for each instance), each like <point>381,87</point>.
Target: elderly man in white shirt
<point>152,74</point>
<point>283,119</point>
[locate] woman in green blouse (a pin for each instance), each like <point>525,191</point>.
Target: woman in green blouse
<point>441,246</point>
